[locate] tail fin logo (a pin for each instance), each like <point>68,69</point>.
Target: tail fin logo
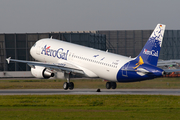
<point>152,52</point>
<point>139,63</point>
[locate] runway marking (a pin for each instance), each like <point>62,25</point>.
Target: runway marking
<point>90,92</point>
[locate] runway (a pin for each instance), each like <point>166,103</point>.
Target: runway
<point>90,92</point>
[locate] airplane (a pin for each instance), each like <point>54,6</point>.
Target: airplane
<point>60,56</point>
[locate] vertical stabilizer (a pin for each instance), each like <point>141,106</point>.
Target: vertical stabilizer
<point>151,50</point>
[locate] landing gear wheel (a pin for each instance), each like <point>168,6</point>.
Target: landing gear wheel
<point>71,85</point>
<point>113,85</point>
<point>65,86</point>
<point>68,85</point>
<point>108,85</point>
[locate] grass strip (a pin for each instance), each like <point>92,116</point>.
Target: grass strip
<point>77,107</point>
<point>159,83</point>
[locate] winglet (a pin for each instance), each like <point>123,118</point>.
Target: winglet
<point>8,60</point>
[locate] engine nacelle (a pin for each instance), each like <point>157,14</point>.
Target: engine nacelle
<point>41,72</point>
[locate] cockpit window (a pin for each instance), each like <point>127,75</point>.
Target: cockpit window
<point>34,45</point>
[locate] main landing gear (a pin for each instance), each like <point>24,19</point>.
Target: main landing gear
<point>110,85</point>
<point>68,84</point>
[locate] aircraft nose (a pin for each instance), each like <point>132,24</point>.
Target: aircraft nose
<point>32,50</point>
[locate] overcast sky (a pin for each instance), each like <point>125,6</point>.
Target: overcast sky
<point>31,16</point>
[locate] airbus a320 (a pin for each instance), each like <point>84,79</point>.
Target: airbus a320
<point>59,56</point>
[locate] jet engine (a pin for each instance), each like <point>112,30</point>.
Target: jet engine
<point>41,72</point>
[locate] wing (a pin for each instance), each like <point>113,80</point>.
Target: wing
<point>64,66</point>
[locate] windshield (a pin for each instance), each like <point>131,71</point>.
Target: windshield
<point>34,45</point>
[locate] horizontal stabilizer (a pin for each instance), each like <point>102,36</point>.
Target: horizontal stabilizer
<point>142,71</point>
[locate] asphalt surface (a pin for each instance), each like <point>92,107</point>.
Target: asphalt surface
<point>90,91</point>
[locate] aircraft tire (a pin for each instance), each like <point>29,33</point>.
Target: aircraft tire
<point>108,85</point>
<point>113,85</point>
<point>65,86</point>
<point>71,85</point>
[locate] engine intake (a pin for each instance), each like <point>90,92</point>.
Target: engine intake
<point>41,72</point>
<point>47,74</point>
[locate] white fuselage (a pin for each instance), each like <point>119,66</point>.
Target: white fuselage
<point>95,63</point>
